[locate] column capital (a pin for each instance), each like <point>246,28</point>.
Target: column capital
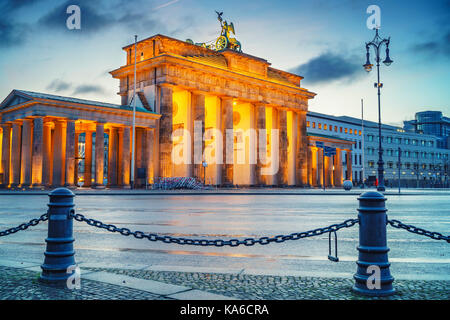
<point>197,92</point>
<point>260,104</point>
<point>166,85</point>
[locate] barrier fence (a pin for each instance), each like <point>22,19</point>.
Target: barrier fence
<point>372,220</point>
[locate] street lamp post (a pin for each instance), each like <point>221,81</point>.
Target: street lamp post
<point>377,43</point>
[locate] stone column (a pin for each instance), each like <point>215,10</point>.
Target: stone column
<point>301,153</point>
<point>120,156</point>
<point>88,159</point>
<point>16,142</point>
<point>227,140</point>
<point>37,152</point>
<point>47,162</point>
<point>320,166</point>
<point>338,168</point>
<point>77,156</point>
<point>59,153</point>
<point>6,154</point>
<point>165,132</point>
<point>112,157</point>
<point>330,171</point>
<point>261,142</point>
<point>198,144</point>
<point>99,155</point>
<point>25,169</point>
<point>310,165</point>
<point>138,157</point>
<point>70,154</point>
<point>126,156</point>
<point>283,144</point>
<point>315,166</point>
<point>349,165</point>
<point>148,154</point>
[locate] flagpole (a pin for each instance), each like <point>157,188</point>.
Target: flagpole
<point>134,116</point>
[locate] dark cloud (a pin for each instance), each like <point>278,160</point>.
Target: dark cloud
<point>59,85</point>
<point>12,34</point>
<point>87,88</point>
<point>11,5</point>
<point>437,47</point>
<point>328,67</point>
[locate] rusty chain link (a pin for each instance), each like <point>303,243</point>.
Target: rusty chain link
<point>24,226</point>
<point>217,242</point>
<point>413,229</point>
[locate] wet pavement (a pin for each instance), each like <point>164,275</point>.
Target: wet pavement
<point>232,215</point>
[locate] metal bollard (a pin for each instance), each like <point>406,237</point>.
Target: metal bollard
<point>59,255</point>
<point>373,250</point>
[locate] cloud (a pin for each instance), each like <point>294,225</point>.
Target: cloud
<point>59,85</point>
<point>12,34</point>
<point>437,47</point>
<point>87,88</point>
<point>329,67</point>
<point>11,5</point>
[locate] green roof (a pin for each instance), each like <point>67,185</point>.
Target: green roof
<point>326,136</point>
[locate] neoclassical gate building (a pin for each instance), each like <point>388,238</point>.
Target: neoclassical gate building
<point>230,117</point>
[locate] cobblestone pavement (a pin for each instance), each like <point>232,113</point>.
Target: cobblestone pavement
<point>256,287</point>
<point>20,284</point>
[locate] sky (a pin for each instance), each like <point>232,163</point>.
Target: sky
<point>321,40</point>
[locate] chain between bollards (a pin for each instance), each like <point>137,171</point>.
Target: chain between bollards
<point>216,242</point>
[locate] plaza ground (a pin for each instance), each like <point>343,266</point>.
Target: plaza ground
<point>290,270</point>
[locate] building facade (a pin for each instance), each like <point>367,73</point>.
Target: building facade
<point>422,162</point>
<point>431,123</point>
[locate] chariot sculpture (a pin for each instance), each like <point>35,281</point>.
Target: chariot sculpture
<point>224,41</point>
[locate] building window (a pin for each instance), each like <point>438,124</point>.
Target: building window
<point>324,127</point>
<point>331,128</point>
<point>371,164</point>
<point>370,137</point>
<point>340,129</point>
<point>320,126</point>
<point>359,132</point>
<point>346,130</point>
<point>307,124</point>
<point>335,128</point>
<point>406,141</point>
<point>389,139</point>
<point>351,131</point>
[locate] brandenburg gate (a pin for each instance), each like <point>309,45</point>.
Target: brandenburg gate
<point>221,116</point>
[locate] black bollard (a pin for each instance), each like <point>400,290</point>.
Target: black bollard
<point>59,255</point>
<point>373,277</point>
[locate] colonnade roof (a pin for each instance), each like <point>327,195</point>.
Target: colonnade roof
<point>37,95</point>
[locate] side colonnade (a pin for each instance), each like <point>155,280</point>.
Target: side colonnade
<point>47,152</point>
